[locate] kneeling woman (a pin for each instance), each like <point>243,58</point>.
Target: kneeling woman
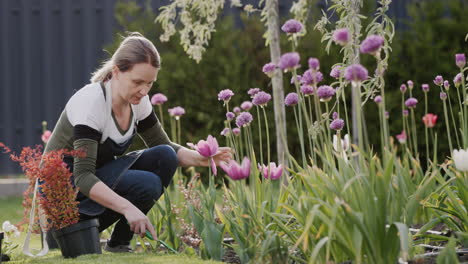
<point>102,118</point>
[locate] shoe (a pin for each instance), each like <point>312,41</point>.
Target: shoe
<point>118,248</point>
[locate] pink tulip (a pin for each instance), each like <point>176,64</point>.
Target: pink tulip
<point>430,120</point>
<point>274,173</point>
<point>236,171</point>
<point>46,136</point>
<point>207,149</point>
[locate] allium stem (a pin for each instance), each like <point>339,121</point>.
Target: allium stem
<point>465,113</point>
<point>447,124</point>
<point>231,135</point>
<point>453,121</point>
<point>161,115</point>
<point>178,132</point>
<point>301,137</point>
<point>405,123</point>
<point>357,109</point>
<point>311,142</point>
<point>415,137</point>
<point>267,135</point>
<point>260,134</point>
<point>426,129</point>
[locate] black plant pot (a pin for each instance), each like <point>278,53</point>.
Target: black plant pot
<point>79,239</point>
<point>51,240</point>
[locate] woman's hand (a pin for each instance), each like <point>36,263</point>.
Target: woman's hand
<point>139,222</point>
<point>224,154</point>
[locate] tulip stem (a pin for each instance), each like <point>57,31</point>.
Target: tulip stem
<point>161,115</point>
<point>447,124</point>
<point>426,129</point>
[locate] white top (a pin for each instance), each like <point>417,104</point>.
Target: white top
<point>89,107</point>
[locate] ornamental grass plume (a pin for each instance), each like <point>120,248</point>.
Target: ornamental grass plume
<point>341,36</point>
<point>325,93</point>
<point>269,69</point>
<point>235,170</point>
<point>372,44</point>
<point>314,64</point>
<point>291,99</point>
<point>307,90</point>
<point>429,120</point>
<point>311,77</point>
<point>244,119</point>
<point>271,172</point>
<point>246,106</point>
<point>253,91</point>
<point>261,98</point>
<point>207,148</point>
<point>158,99</point>
<point>460,158</point>
<point>460,60</point>
<point>411,102</point>
<point>46,136</point>
<point>289,61</point>
<point>225,95</point>
<point>356,73</point>
<point>292,26</point>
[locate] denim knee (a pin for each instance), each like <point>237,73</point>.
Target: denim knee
<point>151,188</point>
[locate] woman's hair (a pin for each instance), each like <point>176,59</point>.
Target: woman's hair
<point>134,49</point>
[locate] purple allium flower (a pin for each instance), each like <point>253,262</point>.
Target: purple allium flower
<point>314,64</point>
<point>425,87</point>
<point>372,44</point>
<point>335,115</point>
<point>230,116</point>
<point>292,26</point>
<point>236,110</point>
<point>225,132</point>
<point>236,171</point>
<point>289,61</point>
<point>336,72</point>
<point>246,105</point>
<point>253,91</point>
<point>443,95</point>
<point>410,84</point>
<point>176,111</point>
<point>158,99</point>
<point>236,131</point>
<point>225,95</point>
<point>403,88</point>
<point>261,98</point>
<point>457,80</point>
<point>325,93</point>
<point>311,77</point>
<point>341,36</point>
<point>446,85</point>
<point>387,114</point>
<point>337,124</point>
<point>296,78</point>
<point>411,102</point>
<point>405,112</point>
<point>460,60</point>
<point>438,80</point>
<point>269,69</point>
<point>291,99</point>
<point>356,72</point>
<point>378,99</point>
<point>307,90</point>
<point>244,119</point>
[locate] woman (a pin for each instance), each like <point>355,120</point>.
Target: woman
<point>102,118</point>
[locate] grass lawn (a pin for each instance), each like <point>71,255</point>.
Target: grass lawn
<point>12,211</point>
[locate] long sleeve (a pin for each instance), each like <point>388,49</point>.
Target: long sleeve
<point>153,134</point>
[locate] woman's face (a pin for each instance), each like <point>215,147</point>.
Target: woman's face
<point>136,83</point>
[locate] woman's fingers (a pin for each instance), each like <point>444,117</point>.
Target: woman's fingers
<point>150,228</point>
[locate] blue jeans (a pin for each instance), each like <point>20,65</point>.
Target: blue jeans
<point>142,185</point>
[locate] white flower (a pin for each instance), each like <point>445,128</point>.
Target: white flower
<point>460,158</point>
<point>7,227</point>
<point>17,233</point>
<point>344,146</point>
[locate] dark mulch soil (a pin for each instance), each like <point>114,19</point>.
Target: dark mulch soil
<point>230,256</point>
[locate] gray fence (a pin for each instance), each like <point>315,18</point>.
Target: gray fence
<point>48,50</point>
